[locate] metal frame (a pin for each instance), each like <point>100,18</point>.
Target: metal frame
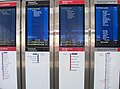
<point>56,44</point>
<point>18,43</point>
<point>51,42</point>
<point>23,46</point>
<point>92,27</point>
<point>87,45</point>
<point>18,66</point>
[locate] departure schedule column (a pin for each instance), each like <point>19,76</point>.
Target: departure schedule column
<point>37,53</point>
<point>8,49</point>
<point>107,43</point>
<point>71,44</point>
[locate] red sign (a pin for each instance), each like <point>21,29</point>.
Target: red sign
<point>118,1</point>
<point>7,4</point>
<point>71,49</point>
<point>7,48</point>
<point>71,1</point>
<point>118,49</point>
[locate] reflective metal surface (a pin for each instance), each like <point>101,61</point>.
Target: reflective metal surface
<point>56,43</point>
<point>51,44</point>
<point>18,44</point>
<point>87,46</point>
<point>92,27</point>
<point>23,45</point>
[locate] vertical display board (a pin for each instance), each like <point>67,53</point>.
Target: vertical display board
<point>37,54</point>
<point>71,44</point>
<point>8,52</point>
<point>107,43</point>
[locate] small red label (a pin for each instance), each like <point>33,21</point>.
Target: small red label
<point>71,1</point>
<point>7,48</point>
<point>7,4</point>
<point>71,49</point>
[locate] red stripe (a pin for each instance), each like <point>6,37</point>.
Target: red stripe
<point>7,48</point>
<point>71,1</point>
<point>71,49</point>
<point>70,62</point>
<point>2,67</point>
<point>7,4</point>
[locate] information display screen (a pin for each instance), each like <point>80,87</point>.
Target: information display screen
<point>71,26</point>
<point>106,20</point>
<point>7,26</point>
<point>38,26</point>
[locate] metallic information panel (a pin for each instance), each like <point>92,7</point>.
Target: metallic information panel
<point>70,44</point>
<point>9,45</point>
<point>36,33</point>
<point>105,40</point>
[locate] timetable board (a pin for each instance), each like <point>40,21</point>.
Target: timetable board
<point>37,27</point>
<point>106,26</point>
<point>71,26</point>
<point>37,48</point>
<point>71,44</point>
<point>7,19</point>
